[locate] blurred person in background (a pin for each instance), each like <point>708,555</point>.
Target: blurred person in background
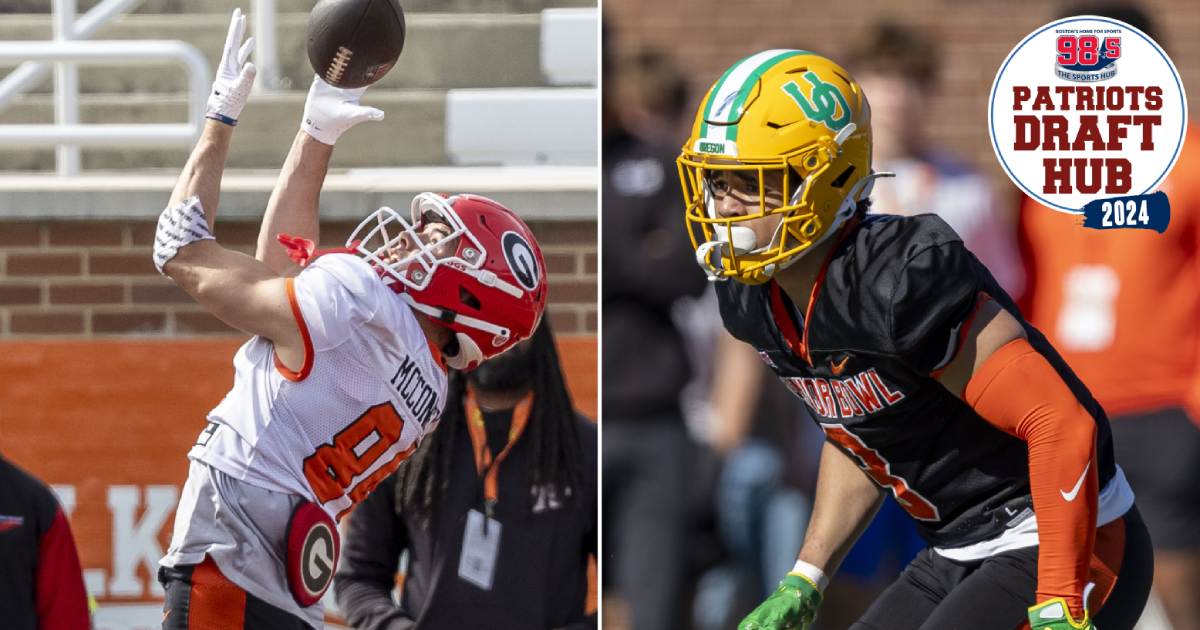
<point>920,369</point>
<point>1123,308</point>
<point>648,458</point>
<point>899,68</point>
<point>763,494</point>
<point>510,448</point>
<point>41,582</point>
<point>653,96</point>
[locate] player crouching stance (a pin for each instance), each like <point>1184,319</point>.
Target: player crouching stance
<point>344,374</point>
<point>920,370</point>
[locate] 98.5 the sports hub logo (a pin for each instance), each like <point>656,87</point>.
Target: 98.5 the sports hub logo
<point>1087,115</point>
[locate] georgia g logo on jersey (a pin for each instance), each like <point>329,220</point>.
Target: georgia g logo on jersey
<point>312,551</point>
<point>521,260</point>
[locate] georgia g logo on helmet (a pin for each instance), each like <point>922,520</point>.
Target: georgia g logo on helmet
<point>521,260</point>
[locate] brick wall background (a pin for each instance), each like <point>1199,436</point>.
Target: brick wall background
<point>92,279</point>
<point>706,36</point>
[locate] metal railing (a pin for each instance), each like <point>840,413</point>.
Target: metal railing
<point>67,50</point>
<point>65,27</point>
<point>266,56</point>
<point>67,130</point>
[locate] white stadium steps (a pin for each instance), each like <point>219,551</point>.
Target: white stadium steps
<point>569,46</point>
<point>480,83</point>
<point>303,6</point>
<point>411,134</point>
<point>522,126</point>
<point>441,50</point>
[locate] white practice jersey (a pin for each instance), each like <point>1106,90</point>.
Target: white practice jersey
<point>371,386</point>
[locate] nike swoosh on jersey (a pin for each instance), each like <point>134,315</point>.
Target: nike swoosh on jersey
<point>1070,496</point>
<point>839,366</point>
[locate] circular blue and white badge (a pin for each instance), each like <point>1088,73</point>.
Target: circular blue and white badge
<point>1087,115</point>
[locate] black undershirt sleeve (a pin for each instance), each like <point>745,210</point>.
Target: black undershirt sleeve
<point>366,573</point>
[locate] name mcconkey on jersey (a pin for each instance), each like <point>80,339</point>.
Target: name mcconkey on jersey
<point>417,394</point>
<point>859,395</point>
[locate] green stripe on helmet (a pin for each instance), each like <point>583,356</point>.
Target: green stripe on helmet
<point>712,96</point>
<point>722,99</point>
<point>751,81</point>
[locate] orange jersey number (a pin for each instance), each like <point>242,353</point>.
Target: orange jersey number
<point>880,471</point>
<point>333,466</point>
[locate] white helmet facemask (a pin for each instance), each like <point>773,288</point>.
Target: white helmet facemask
<point>411,252</point>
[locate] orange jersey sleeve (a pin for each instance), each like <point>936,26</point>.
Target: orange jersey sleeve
<point>1019,392</point>
<point>1122,306</point>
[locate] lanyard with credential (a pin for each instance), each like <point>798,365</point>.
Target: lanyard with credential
<point>485,465</point>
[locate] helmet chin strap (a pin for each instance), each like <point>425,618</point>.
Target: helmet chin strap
<point>703,252</point>
<point>468,358</point>
<point>844,133</point>
<point>490,279</point>
<point>469,353</point>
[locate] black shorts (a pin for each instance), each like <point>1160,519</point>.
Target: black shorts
<point>1160,454</point>
<point>199,597</point>
<point>934,593</point>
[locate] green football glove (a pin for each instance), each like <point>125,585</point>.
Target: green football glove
<point>1053,614</point>
<point>793,606</point>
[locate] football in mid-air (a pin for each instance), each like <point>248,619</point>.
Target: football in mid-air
<point>353,43</point>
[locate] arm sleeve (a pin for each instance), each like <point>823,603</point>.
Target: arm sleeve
<point>1018,391</point>
<point>366,574</point>
<point>934,296</point>
<point>62,602</point>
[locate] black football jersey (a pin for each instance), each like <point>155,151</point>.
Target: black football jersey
<point>885,316</point>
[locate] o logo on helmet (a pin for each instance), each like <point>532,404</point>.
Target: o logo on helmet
<point>826,101</point>
<point>521,259</point>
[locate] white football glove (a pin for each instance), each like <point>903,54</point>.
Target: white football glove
<point>235,76</point>
<point>329,111</point>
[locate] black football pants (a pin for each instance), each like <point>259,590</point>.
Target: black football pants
<point>199,597</point>
<point>934,593</point>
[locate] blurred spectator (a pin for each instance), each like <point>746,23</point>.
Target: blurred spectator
<point>898,68</point>
<point>889,543</point>
<point>41,582</point>
<point>763,495</point>
<point>653,94</point>
<point>530,570</point>
<point>648,264</point>
<point>1123,308</point>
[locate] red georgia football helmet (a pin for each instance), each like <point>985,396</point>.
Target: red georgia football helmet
<point>465,261</point>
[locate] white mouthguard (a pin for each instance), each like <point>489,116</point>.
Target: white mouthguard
<point>742,239</point>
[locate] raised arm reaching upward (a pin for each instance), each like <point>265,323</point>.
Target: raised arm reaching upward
<point>293,208</point>
<point>237,289</point>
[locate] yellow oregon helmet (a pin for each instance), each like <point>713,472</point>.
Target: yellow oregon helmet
<point>790,111</point>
